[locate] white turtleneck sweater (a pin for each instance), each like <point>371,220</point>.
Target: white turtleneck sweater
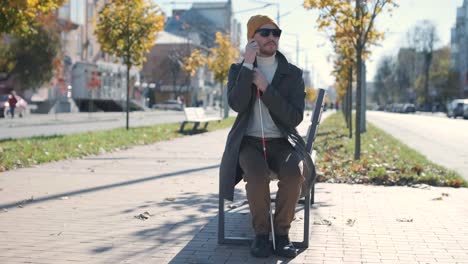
<point>268,66</point>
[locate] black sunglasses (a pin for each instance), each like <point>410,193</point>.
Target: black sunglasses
<point>265,32</point>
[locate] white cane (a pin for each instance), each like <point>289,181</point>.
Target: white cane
<point>264,155</point>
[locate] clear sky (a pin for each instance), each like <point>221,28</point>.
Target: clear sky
<point>314,48</point>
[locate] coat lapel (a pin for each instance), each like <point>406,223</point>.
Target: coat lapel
<point>283,69</point>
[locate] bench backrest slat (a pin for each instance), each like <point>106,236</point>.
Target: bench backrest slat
<point>191,113</point>
<point>200,112</point>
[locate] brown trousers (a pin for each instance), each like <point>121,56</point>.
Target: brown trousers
<point>284,161</point>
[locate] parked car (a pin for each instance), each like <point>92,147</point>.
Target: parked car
<point>455,107</point>
<point>409,108</point>
<point>169,105</point>
<point>465,111</point>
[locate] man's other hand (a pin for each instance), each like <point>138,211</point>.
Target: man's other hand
<point>260,80</point>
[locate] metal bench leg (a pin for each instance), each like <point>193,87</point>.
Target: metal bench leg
<point>195,126</point>
<point>312,194</point>
<point>182,126</point>
<point>206,125</point>
<point>306,221</point>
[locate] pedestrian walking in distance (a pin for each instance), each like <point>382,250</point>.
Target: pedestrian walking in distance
<point>268,94</point>
<point>12,103</point>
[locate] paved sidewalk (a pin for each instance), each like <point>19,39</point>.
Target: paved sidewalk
<point>91,210</point>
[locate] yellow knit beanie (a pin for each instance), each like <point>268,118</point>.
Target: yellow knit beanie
<point>255,22</point>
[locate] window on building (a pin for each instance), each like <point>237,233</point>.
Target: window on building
<point>90,10</point>
<point>90,50</point>
<point>78,44</point>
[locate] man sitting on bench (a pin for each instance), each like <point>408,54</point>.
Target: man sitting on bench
<point>264,138</point>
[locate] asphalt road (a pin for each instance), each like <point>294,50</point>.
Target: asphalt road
<point>70,123</point>
<point>442,140</point>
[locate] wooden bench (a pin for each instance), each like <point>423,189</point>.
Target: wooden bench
<point>196,115</point>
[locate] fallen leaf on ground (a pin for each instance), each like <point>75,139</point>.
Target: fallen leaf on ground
<point>323,222</point>
<point>143,216</point>
<point>170,199</point>
<point>350,221</point>
<point>437,199</point>
<point>418,169</point>
<point>443,194</point>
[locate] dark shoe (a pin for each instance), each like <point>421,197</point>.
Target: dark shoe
<point>261,247</point>
<point>284,247</point>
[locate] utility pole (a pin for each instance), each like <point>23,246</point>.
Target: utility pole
<point>297,46</point>
<point>297,51</point>
<point>277,14</point>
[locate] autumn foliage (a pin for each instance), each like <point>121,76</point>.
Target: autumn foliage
<point>127,29</point>
<point>221,57</point>
<point>19,16</point>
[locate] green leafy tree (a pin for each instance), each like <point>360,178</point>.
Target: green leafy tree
<point>29,59</point>
<point>220,60</point>
<point>18,17</point>
<point>34,56</point>
<point>7,59</point>
<point>127,29</point>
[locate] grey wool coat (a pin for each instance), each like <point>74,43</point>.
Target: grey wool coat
<point>284,98</point>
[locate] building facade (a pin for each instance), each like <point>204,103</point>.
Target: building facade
<point>203,20</point>
<point>163,77</point>
<point>196,27</point>
<point>459,48</point>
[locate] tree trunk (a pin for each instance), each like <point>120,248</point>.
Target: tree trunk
<point>363,97</point>
<point>350,102</point>
<point>359,49</point>
<point>344,108</point>
<point>427,66</point>
<point>128,95</point>
<point>225,102</point>
<point>221,100</point>
<point>357,133</point>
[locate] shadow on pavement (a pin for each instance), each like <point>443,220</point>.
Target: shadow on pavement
<point>101,188</point>
<point>204,247</point>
